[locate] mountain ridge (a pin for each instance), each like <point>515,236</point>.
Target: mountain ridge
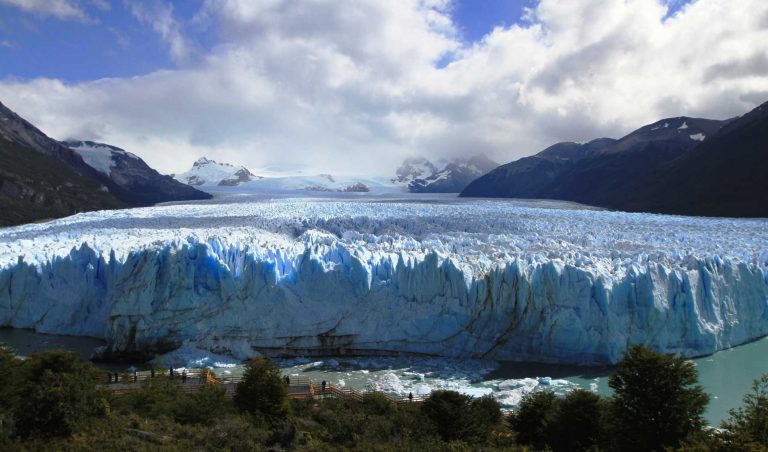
<point>649,168</point>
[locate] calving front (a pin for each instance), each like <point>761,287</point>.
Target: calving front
<point>495,280</point>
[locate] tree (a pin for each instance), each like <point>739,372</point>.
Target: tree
<point>460,417</point>
<point>533,419</point>
<point>9,366</point>
<point>57,395</point>
<point>262,390</point>
<point>657,402</point>
<point>748,424</point>
<point>577,422</point>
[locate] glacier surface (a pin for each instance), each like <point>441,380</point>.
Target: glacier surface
<point>500,280</point>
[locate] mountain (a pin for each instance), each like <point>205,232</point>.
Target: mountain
<point>454,177</point>
<point>143,184</point>
<point>531,177</point>
<point>420,175</point>
<point>42,179</point>
<point>209,172</point>
<point>412,169</point>
<point>726,175</point>
<point>604,172</point>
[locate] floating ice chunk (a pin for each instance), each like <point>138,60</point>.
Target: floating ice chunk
<point>422,390</point>
<point>474,392</point>
<point>389,383</point>
<point>191,356</point>
<point>526,384</point>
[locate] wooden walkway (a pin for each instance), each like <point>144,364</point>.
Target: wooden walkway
<point>299,388</point>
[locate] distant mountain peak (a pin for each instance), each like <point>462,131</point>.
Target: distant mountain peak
<point>422,176</point>
<point>209,172</point>
<point>413,168</point>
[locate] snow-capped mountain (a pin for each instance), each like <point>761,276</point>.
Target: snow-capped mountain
<point>142,184</point>
<point>209,172</point>
<point>412,169</point>
<point>420,175</point>
<point>454,177</point>
<point>312,184</point>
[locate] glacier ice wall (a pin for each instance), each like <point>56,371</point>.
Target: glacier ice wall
<point>480,281</point>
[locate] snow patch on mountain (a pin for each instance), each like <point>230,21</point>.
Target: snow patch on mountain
<point>99,156</point>
<point>698,137</point>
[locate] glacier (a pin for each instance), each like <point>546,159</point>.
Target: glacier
<point>500,280</point>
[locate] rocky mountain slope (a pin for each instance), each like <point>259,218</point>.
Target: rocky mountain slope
<point>412,169</point>
<point>628,173</point>
<point>35,186</point>
<point>726,175</point>
<point>454,177</point>
<point>143,184</point>
<point>42,179</point>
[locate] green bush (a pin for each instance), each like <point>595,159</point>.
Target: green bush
<point>9,367</point>
<point>657,403</point>
<point>203,406</point>
<point>748,424</point>
<point>158,397</point>
<point>448,411</point>
<point>533,419</point>
<point>262,391</point>
<point>458,417</point>
<point>577,422</point>
<point>57,395</point>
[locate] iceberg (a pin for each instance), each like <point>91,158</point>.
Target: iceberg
<point>499,280</point>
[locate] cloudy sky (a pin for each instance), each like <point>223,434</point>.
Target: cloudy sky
<point>354,86</point>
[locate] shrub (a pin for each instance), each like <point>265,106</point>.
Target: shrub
<point>533,419</point>
<point>262,391</point>
<point>9,366</point>
<point>577,422</point>
<point>158,397</point>
<point>58,395</point>
<point>202,406</point>
<point>657,403</point>
<point>448,411</point>
<point>748,424</point>
<point>486,412</point>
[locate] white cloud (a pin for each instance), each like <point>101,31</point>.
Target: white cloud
<point>61,9</point>
<point>353,85</point>
<point>160,17</point>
